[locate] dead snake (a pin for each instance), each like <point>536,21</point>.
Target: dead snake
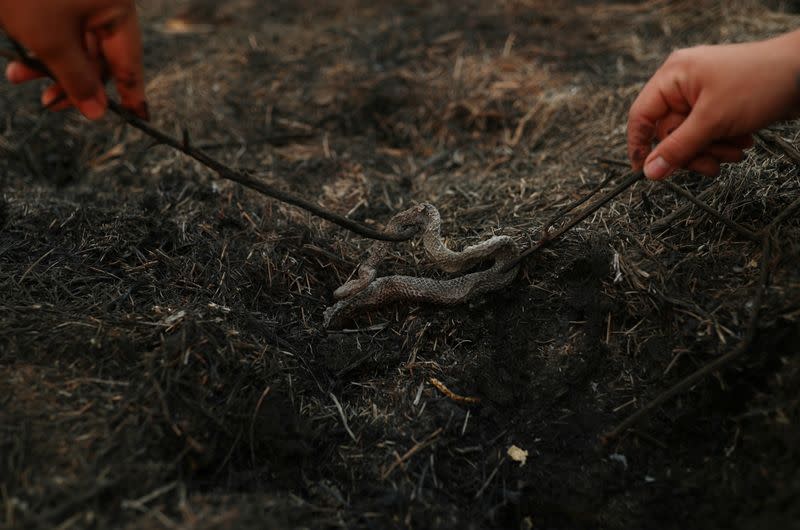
<point>366,291</point>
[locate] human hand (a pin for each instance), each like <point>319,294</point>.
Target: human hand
<point>704,103</point>
<point>76,40</point>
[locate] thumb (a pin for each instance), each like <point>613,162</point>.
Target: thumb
<point>680,147</point>
<point>79,78</point>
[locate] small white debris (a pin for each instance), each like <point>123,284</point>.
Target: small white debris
<point>648,478</point>
<point>615,264</point>
<point>518,455</point>
<point>616,457</point>
<point>173,318</point>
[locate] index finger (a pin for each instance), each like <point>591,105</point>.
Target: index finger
<point>662,95</point>
<point>121,46</point>
<point>649,107</point>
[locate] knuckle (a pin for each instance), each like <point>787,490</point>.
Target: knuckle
<point>684,59</point>
<point>107,22</point>
<point>677,57</point>
<point>128,80</point>
<point>640,129</point>
<point>675,151</point>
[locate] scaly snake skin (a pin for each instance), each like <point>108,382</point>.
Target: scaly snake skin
<point>366,291</point>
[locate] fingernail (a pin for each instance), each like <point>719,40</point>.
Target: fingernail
<point>12,72</point>
<point>92,108</point>
<point>48,97</point>
<point>657,169</point>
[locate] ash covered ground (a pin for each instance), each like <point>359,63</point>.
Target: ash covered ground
<point>162,356</point>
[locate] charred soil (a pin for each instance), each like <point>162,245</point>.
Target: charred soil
<point>162,356</point>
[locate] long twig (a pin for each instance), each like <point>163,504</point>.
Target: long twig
<point>225,172</point>
<point>574,204</point>
<point>252,182</point>
<point>631,178</point>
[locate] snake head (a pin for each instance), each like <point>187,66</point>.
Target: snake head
<point>365,276</point>
<point>412,218</point>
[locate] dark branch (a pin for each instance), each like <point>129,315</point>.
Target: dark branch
<point>630,179</point>
<point>225,172</point>
<point>251,182</point>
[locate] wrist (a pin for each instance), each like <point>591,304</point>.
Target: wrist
<point>781,58</point>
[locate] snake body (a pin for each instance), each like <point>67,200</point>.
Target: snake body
<point>367,291</point>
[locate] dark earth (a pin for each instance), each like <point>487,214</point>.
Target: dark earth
<point>163,362</point>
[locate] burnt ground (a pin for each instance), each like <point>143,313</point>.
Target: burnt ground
<point>162,358</point>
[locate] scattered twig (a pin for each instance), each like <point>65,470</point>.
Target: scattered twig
<point>411,452</point>
<point>788,212</point>
<point>490,478</point>
<point>34,264</point>
<point>733,225</point>
<point>264,394</point>
<point>714,365</point>
<point>70,504</point>
<point>142,501</point>
<point>452,395</point>
<point>664,222</point>
<point>343,416</point>
<point>430,162</point>
<point>612,161</point>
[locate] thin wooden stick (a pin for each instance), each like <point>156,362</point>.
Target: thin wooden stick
<point>632,178</point>
<point>225,172</point>
<point>664,222</point>
<point>252,182</point>
<point>733,225</point>
<point>411,452</point>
